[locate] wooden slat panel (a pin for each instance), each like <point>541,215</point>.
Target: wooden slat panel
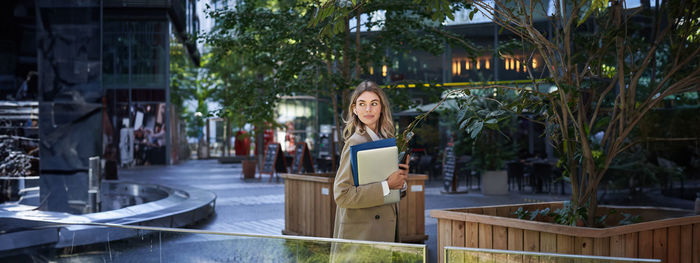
<point>403,216</point>
<point>458,233</point>
<point>515,242</point>
<point>503,211</point>
<point>531,242</point>
<point>287,204</point>
<point>646,244</point>
<point>318,212</point>
<point>660,244</point>
<point>696,243</point>
<point>300,207</point>
<point>485,236</point>
<point>515,239</point>
<point>327,209</point>
<point>472,234</point>
<point>307,212</point>
<point>686,243</point>
<point>500,237</point>
<point>674,244</point>
<point>601,246</point>
<point>293,207</point>
<point>548,242</point>
<point>420,210</point>
<point>413,199</point>
<point>565,244</point>
<point>617,246</point>
<point>490,211</point>
<point>631,245</point>
<point>583,245</point>
<point>444,237</point>
<point>500,241</point>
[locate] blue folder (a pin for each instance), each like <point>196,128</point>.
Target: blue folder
<point>367,146</point>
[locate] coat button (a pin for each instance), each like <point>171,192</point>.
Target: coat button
<point>376,217</point>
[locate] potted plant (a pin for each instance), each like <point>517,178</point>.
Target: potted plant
<point>491,148</point>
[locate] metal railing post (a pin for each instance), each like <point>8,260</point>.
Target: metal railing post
<point>94,180</point>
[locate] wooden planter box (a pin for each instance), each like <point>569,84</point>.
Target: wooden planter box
<point>309,206</point>
<point>249,168</point>
<point>671,235</point>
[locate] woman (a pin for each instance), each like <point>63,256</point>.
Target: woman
<point>361,213</point>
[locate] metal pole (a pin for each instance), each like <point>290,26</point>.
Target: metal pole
<point>94,179</point>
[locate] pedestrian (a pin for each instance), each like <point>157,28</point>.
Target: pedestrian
<point>361,213</point>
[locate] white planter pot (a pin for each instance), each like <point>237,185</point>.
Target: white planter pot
<point>494,183</point>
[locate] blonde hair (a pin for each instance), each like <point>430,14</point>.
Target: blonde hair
<point>353,123</point>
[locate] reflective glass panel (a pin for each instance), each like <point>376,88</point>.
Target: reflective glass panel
<point>149,244</point>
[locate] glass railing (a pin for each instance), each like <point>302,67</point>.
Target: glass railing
<point>153,244</point>
<point>481,255</point>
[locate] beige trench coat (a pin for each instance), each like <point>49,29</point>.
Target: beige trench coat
<point>361,213</point>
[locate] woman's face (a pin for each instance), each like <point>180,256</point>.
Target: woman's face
<point>368,108</point>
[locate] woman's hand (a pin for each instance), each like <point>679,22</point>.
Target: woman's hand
<point>397,179</point>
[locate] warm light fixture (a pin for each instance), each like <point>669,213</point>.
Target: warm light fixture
<point>517,65</point>
<point>467,65</point>
<point>478,64</point>
<point>488,64</point>
<point>371,70</point>
<point>512,64</point>
<point>506,64</point>
<point>454,67</point>
<point>384,71</point>
<point>459,67</point>
<point>534,63</point>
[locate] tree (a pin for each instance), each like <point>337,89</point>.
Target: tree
<point>609,65</point>
<point>188,82</point>
<point>606,82</point>
<point>285,49</point>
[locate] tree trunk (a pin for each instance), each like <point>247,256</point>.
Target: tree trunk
<point>334,98</point>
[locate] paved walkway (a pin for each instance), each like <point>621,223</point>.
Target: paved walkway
<point>257,206</point>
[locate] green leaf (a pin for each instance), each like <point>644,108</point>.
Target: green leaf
<point>462,113</point>
<point>594,5</point>
<point>465,123</point>
<point>495,113</point>
<point>471,14</point>
<point>477,129</point>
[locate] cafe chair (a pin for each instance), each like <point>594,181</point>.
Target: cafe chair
<point>516,171</point>
<point>542,175</point>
